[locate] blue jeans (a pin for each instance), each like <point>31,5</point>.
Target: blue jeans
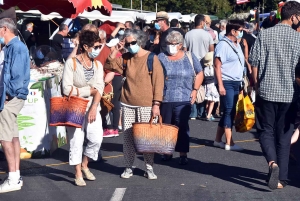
<point>198,110</point>
<point>229,103</point>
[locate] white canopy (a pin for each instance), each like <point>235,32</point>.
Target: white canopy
<point>149,17</point>
<point>116,16</point>
<point>186,18</point>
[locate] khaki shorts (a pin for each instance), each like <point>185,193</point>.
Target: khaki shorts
<point>8,119</point>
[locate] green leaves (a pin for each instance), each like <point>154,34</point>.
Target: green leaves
<point>39,86</point>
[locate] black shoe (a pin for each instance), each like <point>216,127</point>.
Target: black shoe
<point>274,174</point>
<point>183,160</point>
<point>166,157</point>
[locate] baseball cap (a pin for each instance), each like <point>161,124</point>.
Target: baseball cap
<point>162,15</point>
<point>113,42</point>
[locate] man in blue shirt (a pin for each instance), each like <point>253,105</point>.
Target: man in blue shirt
<point>14,82</point>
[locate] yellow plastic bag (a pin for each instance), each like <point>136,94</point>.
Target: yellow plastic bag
<point>245,117</point>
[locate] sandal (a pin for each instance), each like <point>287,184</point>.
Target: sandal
<point>88,175</point>
<point>274,174</point>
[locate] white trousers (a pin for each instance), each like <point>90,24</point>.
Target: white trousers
<point>94,135</point>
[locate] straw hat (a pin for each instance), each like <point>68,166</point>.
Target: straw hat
<point>208,60</point>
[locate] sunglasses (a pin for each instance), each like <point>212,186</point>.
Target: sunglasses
<point>173,44</point>
<point>131,43</point>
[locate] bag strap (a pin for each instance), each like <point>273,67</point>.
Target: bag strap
<point>150,62</point>
<point>234,51</point>
<point>189,55</point>
<point>74,63</point>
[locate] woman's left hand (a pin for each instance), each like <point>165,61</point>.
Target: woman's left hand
<point>193,96</point>
<point>92,114</point>
<point>155,111</point>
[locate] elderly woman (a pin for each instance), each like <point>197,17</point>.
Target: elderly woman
<point>141,94</point>
<point>85,74</point>
<point>229,66</point>
<point>180,90</point>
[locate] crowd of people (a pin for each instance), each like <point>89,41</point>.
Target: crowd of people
<point>158,71</point>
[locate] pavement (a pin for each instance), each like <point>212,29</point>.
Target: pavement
<point>212,174</point>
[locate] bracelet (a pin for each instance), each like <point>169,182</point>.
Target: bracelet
<point>195,89</point>
<point>158,104</point>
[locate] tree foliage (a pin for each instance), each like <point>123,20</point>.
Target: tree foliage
<point>220,8</point>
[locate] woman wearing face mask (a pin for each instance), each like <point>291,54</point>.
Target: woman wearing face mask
<point>141,93</point>
<point>229,65</point>
<point>85,75</point>
<point>180,90</point>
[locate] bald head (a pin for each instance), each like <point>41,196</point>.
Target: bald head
<point>207,20</point>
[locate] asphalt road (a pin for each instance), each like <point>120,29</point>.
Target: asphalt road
<point>212,174</point>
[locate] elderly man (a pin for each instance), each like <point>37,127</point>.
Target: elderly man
<point>274,57</point>
<point>29,35</point>
<point>207,28</point>
<point>13,91</point>
<point>223,24</point>
<point>162,30</point>
<point>58,40</point>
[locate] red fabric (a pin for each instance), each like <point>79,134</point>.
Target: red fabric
<point>66,8</point>
<point>108,27</point>
<point>103,55</point>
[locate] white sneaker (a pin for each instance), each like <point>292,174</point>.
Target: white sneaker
<point>127,173</point>
<point>150,174</point>
<point>8,186</point>
<point>219,144</point>
<point>20,181</point>
<point>235,147</point>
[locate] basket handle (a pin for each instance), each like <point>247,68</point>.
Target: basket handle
<point>159,120</point>
<point>70,94</point>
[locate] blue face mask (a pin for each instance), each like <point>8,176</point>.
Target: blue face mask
<point>156,26</point>
<point>151,38</point>
<point>2,40</point>
<point>240,35</point>
<point>94,53</point>
<point>121,32</point>
<point>133,49</point>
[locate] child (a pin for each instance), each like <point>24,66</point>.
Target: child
<point>211,93</point>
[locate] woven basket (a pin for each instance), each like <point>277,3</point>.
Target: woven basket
<point>106,98</point>
<point>68,111</point>
<point>155,138</point>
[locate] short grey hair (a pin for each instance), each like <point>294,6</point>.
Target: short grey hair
<point>102,32</point>
<point>174,36</point>
<point>223,23</point>
<point>140,36</point>
<point>9,24</point>
<point>251,27</point>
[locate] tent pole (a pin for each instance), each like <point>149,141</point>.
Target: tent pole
<point>49,31</point>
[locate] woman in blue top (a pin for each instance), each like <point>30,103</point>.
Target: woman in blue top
<point>229,65</point>
<point>180,90</point>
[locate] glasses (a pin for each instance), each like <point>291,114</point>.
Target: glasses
<point>130,43</point>
<point>173,44</point>
<point>239,30</point>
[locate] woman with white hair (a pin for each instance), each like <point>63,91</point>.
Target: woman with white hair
<point>141,95</point>
<point>180,90</point>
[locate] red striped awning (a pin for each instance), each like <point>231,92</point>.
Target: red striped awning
<point>242,1</point>
<point>66,8</point>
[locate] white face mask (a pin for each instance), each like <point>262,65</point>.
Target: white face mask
<point>94,53</point>
<point>172,49</point>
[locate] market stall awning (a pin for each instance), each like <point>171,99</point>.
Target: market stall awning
<point>66,8</point>
<point>116,16</point>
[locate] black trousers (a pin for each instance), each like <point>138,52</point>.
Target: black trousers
<point>177,113</point>
<point>115,112</point>
<point>274,123</point>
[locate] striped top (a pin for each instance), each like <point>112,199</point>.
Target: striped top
<point>88,73</point>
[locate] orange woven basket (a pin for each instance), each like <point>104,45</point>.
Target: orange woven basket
<point>155,138</point>
<point>68,111</point>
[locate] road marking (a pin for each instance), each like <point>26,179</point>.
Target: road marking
<point>198,146</point>
<point>118,194</point>
<point>253,140</point>
<point>117,156</point>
